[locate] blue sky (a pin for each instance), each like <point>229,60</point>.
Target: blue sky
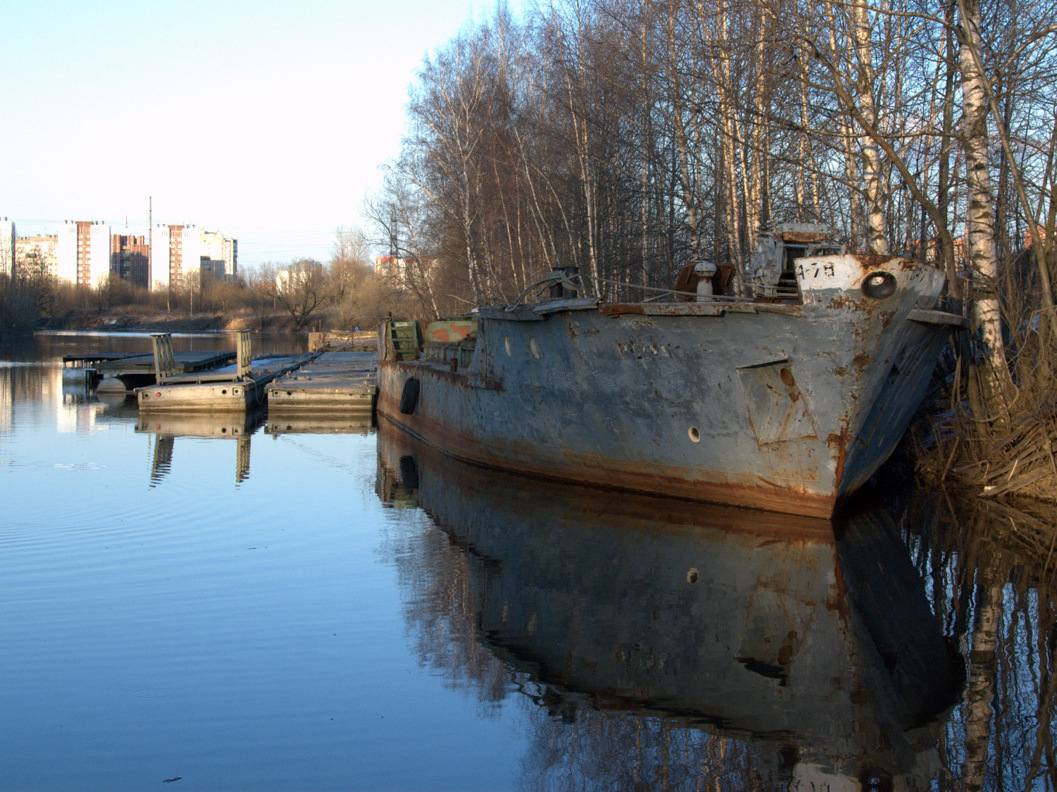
<point>267,121</point>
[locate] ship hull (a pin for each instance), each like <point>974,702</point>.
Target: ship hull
<point>788,408</point>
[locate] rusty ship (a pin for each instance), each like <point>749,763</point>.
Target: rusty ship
<point>786,398</point>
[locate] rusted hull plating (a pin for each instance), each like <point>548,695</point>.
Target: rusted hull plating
<point>788,408</point>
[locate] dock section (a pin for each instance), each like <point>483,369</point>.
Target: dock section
<point>233,388</point>
<point>334,392</point>
<point>110,372</point>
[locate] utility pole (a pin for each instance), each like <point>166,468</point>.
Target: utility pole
<point>150,250</point>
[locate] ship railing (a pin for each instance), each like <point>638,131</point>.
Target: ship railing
<point>780,292</point>
<point>454,354</point>
<point>656,293</point>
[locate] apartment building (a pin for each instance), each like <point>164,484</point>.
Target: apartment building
<point>219,255</point>
<point>37,255</point>
<point>392,267</point>
<point>86,253</point>
<point>83,252</point>
<point>7,246</point>
<point>130,259</point>
<point>181,250</point>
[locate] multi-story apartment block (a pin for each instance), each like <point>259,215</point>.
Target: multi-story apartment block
<point>185,253</point>
<point>7,246</point>
<point>83,253</point>
<point>392,267</point>
<point>175,252</point>
<point>219,255</point>
<point>158,276</point>
<point>129,259</point>
<point>37,255</point>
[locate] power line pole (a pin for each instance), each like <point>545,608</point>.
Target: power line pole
<point>150,248</point>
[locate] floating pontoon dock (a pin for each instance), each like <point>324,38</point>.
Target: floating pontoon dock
<point>121,372</point>
<point>336,384</point>
<point>231,388</point>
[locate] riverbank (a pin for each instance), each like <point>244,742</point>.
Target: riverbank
<point>167,323</point>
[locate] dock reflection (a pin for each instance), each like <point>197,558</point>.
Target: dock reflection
<point>794,652</point>
<point>319,423</point>
<point>166,427</point>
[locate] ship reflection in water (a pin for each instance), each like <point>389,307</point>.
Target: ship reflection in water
<point>768,650</point>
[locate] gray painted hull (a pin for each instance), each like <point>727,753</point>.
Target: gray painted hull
<point>776,406</point>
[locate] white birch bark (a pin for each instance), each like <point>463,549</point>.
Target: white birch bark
<point>873,176</point>
<point>980,689</point>
<point>995,382</point>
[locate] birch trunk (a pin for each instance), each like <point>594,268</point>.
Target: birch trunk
<point>980,689</point>
<point>992,380</point>
<point>645,147</point>
<point>872,166</point>
<point>727,131</point>
<point>946,250</point>
<point>759,149</point>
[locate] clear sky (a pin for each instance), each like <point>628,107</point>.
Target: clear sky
<point>267,121</point>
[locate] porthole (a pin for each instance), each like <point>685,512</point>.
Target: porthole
<point>507,347</point>
<point>878,285</point>
<point>534,348</point>
<point>694,434</point>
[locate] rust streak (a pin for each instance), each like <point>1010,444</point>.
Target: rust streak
<point>838,442</point>
<point>663,510</point>
<point>596,471</point>
<point>615,309</point>
<point>870,261</point>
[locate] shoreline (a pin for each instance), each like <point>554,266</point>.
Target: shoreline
<point>165,323</point>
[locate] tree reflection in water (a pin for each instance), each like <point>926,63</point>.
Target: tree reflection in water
<point>993,577</point>
<point>664,645</point>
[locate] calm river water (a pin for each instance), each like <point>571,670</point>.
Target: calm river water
<point>229,605</point>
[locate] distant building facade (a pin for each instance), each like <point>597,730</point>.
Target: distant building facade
<point>86,253</point>
<point>179,258</point>
<point>130,259</point>
<point>220,255</point>
<point>392,267</point>
<point>83,253</point>
<point>178,251</point>
<point>7,246</point>
<point>37,255</point>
